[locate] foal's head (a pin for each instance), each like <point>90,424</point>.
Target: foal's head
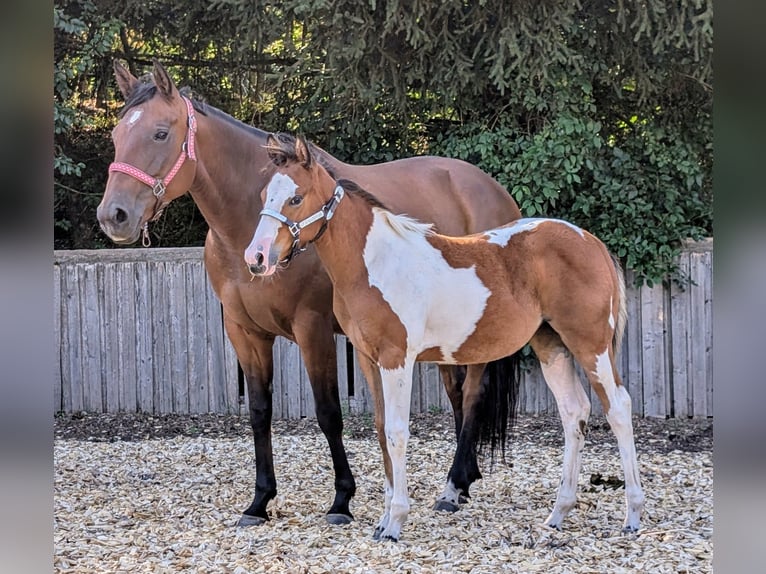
<point>154,149</point>
<point>298,201</point>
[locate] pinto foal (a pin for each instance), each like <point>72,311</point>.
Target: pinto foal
<point>403,293</point>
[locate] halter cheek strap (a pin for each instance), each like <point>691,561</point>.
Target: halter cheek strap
<point>159,186</point>
<point>326,213</point>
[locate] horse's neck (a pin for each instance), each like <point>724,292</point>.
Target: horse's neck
<point>229,177</point>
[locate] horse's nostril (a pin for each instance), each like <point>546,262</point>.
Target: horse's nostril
<point>259,259</point>
<point>120,215</point>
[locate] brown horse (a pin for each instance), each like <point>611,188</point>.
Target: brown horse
<point>403,293</point>
<point>166,145</point>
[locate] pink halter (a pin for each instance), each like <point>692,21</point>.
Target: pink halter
<point>159,186</point>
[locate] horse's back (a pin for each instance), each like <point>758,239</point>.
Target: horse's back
<point>459,198</point>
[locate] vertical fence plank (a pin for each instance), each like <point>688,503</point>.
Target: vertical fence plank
<point>707,261</point>
<point>198,334</point>
<point>144,337</point>
<point>362,399</point>
<point>679,342</point>
<point>91,339</point>
<point>71,392</point>
<point>231,373</point>
<point>340,353</point>
<point>634,347</point>
<point>291,377</point>
<point>652,321</point>
<point>127,336</point>
<point>223,394</point>
<point>699,333</point>
<point>58,373</point>
<point>111,350</point>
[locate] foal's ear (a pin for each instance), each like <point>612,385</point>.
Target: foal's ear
<point>126,81</point>
<point>302,152</point>
<point>162,80</point>
<point>275,150</point>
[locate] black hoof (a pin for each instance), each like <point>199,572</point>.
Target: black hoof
<point>629,530</point>
<point>391,538</point>
<point>445,506</point>
<point>338,519</point>
<point>376,533</point>
<point>247,520</point>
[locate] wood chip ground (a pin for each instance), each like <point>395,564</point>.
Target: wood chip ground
<point>170,504</point>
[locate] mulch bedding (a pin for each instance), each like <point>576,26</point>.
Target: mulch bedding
<point>139,493</point>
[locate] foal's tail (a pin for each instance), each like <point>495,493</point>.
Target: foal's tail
<point>500,403</point>
<point>622,307</point>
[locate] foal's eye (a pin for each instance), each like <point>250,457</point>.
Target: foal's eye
<point>296,199</point>
<point>161,135</point>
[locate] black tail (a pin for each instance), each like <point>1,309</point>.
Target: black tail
<point>500,403</point>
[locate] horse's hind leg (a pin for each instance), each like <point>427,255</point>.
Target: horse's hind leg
<point>558,368</point>
<point>465,469</point>
<point>318,350</point>
<point>453,377</point>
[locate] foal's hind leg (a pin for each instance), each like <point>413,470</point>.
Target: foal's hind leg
<point>605,379</point>
<point>573,404</point>
<point>465,469</point>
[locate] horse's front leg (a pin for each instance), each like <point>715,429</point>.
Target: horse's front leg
<point>397,388</point>
<point>254,352</point>
<point>372,375</point>
<point>317,344</point>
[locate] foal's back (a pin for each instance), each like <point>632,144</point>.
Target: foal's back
<point>444,191</point>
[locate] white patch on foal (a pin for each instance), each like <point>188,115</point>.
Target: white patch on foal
<point>502,235</point>
<point>438,305</point>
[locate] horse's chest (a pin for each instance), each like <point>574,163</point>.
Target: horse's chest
<point>437,304</point>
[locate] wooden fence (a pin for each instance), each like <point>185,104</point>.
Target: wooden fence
<point>140,330</point>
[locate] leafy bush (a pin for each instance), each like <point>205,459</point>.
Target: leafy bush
<point>632,184</point>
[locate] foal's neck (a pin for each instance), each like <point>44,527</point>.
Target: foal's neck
<point>341,245</point>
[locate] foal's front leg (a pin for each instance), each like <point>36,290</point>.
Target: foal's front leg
<point>372,375</point>
<point>397,388</point>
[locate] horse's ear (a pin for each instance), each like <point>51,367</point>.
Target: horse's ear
<point>275,151</point>
<point>162,80</point>
<point>302,152</point>
<point>126,81</point>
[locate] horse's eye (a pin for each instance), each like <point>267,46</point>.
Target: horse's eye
<point>161,136</point>
<point>296,199</point>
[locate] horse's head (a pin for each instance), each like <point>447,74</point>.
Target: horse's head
<point>298,201</point>
<point>154,154</point>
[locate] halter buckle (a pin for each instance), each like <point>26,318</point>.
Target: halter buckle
<point>158,189</point>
